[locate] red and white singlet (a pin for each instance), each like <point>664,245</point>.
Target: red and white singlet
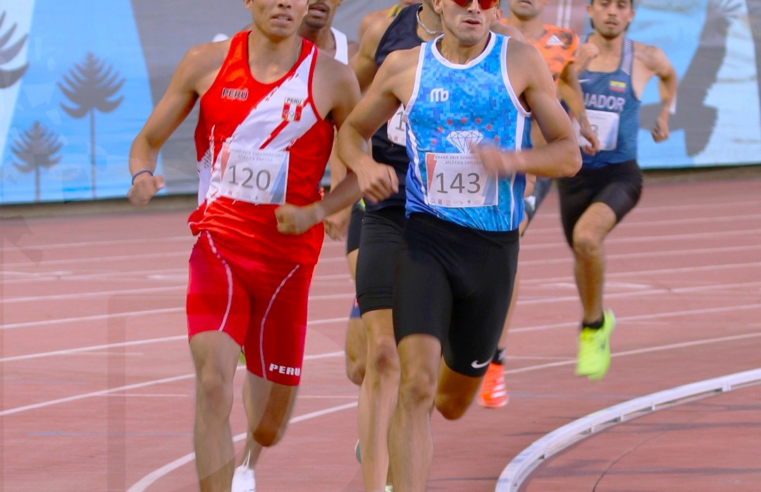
<point>259,146</point>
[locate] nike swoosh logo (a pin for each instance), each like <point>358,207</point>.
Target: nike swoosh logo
<point>478,365</point>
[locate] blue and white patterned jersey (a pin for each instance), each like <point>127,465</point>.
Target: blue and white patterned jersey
<point>452,108</point>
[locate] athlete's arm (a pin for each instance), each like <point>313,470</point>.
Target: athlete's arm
<point>173,108</point>
<point>655,60</point>
<point>381,101</point>
<point>570,92</point>
<point>370,19</point>
<point>335,88</point>
<point>363,63</point>
<point>533,83</point>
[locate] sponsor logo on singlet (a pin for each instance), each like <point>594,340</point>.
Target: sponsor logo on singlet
<point>439,95</point>
<point>235,94</point>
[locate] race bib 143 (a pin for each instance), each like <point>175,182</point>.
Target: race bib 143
<point>459,181</point>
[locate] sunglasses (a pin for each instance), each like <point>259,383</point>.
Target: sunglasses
<point>484,4</point>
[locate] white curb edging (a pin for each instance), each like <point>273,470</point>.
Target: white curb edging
<point>527,460</point>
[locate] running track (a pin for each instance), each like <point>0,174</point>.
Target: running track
<point>97,387</point>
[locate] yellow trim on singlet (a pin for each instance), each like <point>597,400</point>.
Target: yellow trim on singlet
<point>394,10</point>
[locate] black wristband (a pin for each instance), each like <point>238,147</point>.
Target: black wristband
<point>141,172</point>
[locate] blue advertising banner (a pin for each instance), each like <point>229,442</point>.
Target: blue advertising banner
<point>79,78</point>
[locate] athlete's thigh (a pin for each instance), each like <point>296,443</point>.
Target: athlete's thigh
<point>381,235</point>
<point>422,292</point>
<point>478,314</point>
<point>576,194</point>
<point>622,190</point>
<point>216,297</point>
<point>274,345</point>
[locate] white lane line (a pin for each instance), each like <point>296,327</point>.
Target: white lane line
<point>648,350</point>
<point>516,472</point>
<point>142,256</point>
<point>145,384</point>
<point>644,317</point>
<point>659,271</point>
<point>44,355</point>
<point>654,239</point>
<point>152,477</point>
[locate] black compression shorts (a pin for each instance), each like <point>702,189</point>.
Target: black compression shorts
<point>355,228</point>
<point>454,283</point>
<point>619,186</point>
<point>381,235</point>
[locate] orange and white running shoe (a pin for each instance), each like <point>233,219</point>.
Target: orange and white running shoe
<point>493,392</point>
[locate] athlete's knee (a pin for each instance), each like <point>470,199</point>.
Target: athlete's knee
<point>383,357</point>
<point>214,394</point>
<point>268,433</point>
<point>355,369</point>
<point>586,244</point>
<point>417,388</point>
<point>452,407</point>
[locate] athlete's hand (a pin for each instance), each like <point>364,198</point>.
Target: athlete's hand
<point>377,181</point>
<point>293,220</point>
<point>337,225</point>
<point>586,131</point>
<point>587,52</point>
<point>144,188</point>
<point>660,131</point>
<point>496,160</point>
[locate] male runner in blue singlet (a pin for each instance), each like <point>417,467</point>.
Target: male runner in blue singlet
<point>457,256</point>
<point>615,72</point>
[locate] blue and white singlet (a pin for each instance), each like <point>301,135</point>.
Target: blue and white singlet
<point>453,107</point>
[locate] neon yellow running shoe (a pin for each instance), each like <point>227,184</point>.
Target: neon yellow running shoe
<point>594,349</point>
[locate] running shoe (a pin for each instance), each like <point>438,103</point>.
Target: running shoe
<point>594,349</point>
<point>243,480</point>
<point>493,392</point>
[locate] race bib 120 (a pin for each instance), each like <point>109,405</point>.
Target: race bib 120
<point>459,181</point>
<point>255,176</point>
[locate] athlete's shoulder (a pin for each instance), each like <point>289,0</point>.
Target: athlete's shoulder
<point>372,18</point>
<point>400,59</point>
<point>371,38</point>
<point>328,66</point>
<point>204,58</point>
<point>500,27</point>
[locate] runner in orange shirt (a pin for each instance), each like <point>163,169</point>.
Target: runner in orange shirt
<point>558,46</point>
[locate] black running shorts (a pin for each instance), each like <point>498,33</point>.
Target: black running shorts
<point>355,228</point>
<point>381,235</point>
<point>619,186</point>
<point>454,283</point>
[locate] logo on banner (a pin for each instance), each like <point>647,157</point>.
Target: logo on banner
<point>292,109</point>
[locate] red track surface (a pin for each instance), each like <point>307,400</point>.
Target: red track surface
<point>83,411</point>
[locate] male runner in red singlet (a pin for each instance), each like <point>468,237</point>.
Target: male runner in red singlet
<point>269,102</point>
